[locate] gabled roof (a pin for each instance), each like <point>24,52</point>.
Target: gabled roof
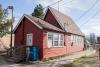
<point>39,23</point>
<point>62,19</point>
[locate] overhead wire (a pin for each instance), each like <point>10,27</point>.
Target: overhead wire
<point>88,10</point>
<point>90,19</point>
<point>82,14</point>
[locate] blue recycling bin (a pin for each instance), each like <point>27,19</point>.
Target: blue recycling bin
<point>34,53</point>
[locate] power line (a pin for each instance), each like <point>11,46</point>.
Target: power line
<point>88,10</point>
<point>58,2</point>
<point>52,4</point>
<point>58,6</point>
<point>68,2</point>
<point>34,3</point>
<point>83,13</point>
<point>89,19</point>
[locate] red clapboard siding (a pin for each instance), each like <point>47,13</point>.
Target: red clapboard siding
<point>27,27</point>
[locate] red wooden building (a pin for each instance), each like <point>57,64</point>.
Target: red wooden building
<point>55,35</point>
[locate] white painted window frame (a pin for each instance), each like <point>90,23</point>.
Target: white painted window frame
<point>76,39</point>
<point>32,39</point>
<point>53,40</point>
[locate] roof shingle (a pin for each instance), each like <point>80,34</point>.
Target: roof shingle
<point>61,18</point>
<point>44,24</point>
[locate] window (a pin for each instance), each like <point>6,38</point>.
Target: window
<point>80,39</point>
<point>76,39</point>
<point>29,39</point>
<point>61,37</point>
<point>55,39</point>
<point>50,39</point>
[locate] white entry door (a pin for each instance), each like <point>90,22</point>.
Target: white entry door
<point>29,40</point>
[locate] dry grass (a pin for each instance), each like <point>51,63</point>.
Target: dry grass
<point>90,61</point>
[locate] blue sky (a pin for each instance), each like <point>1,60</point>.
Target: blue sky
<point>74,9</point>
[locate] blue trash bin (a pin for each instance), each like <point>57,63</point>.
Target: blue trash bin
<point>34,53</point>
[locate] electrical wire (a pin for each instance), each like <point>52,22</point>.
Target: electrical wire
<point>88,10</point>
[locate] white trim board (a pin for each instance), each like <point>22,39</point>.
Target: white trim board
<point>28,19</point>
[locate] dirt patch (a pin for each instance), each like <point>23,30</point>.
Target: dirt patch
<point>90,61</point>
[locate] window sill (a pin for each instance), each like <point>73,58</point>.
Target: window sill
<point>57,47</point>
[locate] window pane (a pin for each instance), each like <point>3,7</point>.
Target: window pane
<point>76,39</point>
<point>50,39</point>
<point>73,38</point>
<point>55,43</point>
<point>80,39</point>
<point>56,37</point>
<point>50,35</point>
<point>61,43</point>
<point>61,37</point>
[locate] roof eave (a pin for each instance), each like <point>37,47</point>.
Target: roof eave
<point>22,19</point>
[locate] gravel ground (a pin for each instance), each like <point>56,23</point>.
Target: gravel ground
<point>53,63</point>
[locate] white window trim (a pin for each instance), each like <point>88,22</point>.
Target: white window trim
<point>76,39</point>
<point>53,40</point>
<point>49,46</point>
<point>32,38</point>
<point>61,40</point>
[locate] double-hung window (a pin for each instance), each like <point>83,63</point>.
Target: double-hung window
<point>50,39</point>
<point>61,40</point>
<point>76,39</point>
<point>55,39</point>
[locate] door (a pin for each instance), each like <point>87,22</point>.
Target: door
<point>29,42</point>
<point>29,39</point>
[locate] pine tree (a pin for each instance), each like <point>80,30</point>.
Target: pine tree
<point>38,11</point>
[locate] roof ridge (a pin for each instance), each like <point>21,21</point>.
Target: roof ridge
<point>38,20</point>
<point>59,12</point>
<point>65,19</point>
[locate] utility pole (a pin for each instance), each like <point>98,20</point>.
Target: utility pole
<point>58,3</point>
<point>11,7</point>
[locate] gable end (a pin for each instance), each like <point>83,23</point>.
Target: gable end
<point>25,16</point>
<point>50,18</point>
